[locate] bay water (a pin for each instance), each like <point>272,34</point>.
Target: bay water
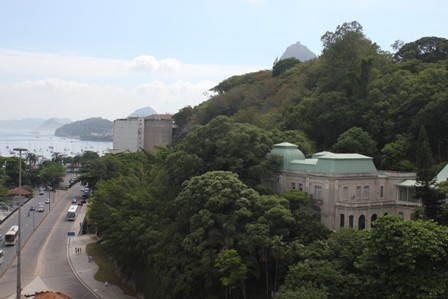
<point>44,144</point>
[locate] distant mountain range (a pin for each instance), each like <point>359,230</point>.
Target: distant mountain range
<point>96,128</point>
<point>298,51</point>
<point>33,124</point>
<point>88,127</point>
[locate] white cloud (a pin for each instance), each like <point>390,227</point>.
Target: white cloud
<point>59,98</point>
<point>48,85</point>
<point>150,65</point>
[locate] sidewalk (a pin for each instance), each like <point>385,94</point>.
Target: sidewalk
<point>85,270</point>
<point>81,267</point>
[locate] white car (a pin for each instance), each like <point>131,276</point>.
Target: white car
<point>74,200</point>
<point>47,200</point>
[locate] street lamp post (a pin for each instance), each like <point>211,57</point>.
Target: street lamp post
<point>19,237</point>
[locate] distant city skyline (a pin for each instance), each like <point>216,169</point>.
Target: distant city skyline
<point>106,59</point>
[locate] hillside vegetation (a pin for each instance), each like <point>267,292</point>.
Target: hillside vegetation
<point>199,219</point>
<point>95,128</point>
<point>353,85</point>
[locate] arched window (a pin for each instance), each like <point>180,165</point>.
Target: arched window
<point>372,219</point>
<point>362,222</point>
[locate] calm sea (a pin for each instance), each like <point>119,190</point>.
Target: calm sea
<point>44,144</point>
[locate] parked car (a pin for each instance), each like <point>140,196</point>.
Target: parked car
<point>47,200</point>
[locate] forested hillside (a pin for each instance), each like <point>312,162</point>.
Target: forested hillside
<point>199,219</point>
<point>95,128</point>
<point>353,85</point>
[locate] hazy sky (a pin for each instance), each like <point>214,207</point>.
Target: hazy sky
<point>107,58</point>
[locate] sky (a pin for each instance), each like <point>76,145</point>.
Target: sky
<point>108,58</point>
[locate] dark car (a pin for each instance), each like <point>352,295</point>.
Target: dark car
<point>32,208</point>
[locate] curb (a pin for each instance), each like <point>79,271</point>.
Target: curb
<point>76,273</point>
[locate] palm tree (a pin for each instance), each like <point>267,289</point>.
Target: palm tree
<point>31,159</point>
<point>57,157</point>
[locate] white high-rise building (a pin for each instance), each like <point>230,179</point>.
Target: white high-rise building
<point>135,133</point>
<point>128,134</point>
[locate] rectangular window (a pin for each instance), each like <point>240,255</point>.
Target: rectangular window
<point>381,191</point>
<point>318,192</point>
<point>300,187</point>
<point>345,193</point>
<point>365,193</point>
<point>350,221</point>
<point>293,186</point>
<point>342,220</point>
<point>358,192</point>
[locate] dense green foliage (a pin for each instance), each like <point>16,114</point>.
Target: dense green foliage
<point>394,259</point>
<point>197,221</point>
<point>51,174</point>
<point>352,84</point>
<point>95,128</point>
<point>161,219</point>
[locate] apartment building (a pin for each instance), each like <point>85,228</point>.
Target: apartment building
<point>135,133</point>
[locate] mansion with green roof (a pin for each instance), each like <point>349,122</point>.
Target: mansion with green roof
<point>347,189</point>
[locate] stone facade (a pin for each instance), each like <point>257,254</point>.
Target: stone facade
<point>347,189</point>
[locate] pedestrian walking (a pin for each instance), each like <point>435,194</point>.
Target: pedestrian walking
<point>90,258</point>
<point>106,283</point>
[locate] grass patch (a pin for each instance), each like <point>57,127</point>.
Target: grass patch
<point>107,270</point>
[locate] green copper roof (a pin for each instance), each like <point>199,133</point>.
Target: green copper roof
<point>288,151</point>
<point>323,162</point>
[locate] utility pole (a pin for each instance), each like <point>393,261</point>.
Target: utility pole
<point>19,237</point>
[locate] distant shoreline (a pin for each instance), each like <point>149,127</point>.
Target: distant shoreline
<point>44,144</point>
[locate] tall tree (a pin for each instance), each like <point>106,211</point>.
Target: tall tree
<point>233,271</point>
<point>52,173</point>
<point>221,145</point>
<point>356,140</point>
<point>283,65</point>
<point>212,212</point>
<point>426,176</point>
<point>427,49</point>
<point>343,52</point>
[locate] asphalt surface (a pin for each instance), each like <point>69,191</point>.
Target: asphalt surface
<point>83,269</point>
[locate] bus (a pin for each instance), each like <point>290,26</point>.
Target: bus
<point>72,213</point>
<point>12,236</point>
<point>1,257</point>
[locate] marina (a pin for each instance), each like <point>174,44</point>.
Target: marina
<point>44,144</point>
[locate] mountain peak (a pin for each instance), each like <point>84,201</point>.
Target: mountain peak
<point>142,112</point>
<point>298,51</point>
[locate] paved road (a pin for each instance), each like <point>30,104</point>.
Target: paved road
<point>44,253</point>
<point>28,224</point>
